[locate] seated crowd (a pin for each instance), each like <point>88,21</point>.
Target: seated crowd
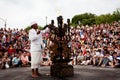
<point>97,45</point>
<point>14,49</point>
<point>14,46</point>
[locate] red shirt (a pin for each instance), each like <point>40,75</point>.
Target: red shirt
<point>11,50</point>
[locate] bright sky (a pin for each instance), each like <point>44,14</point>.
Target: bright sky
<point>21,13</point>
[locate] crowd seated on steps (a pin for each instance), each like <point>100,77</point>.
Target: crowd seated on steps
<point>97,45</point>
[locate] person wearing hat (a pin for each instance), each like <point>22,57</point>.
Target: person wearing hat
<point>35,38</point>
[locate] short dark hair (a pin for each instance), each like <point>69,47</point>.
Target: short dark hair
<point>114,52</point>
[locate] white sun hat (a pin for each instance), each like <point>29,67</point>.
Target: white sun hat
<point>32,23</point>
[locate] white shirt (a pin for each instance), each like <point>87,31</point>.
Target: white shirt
<point>110,58</point>
<point>99,54</point>
<point>36,39</point>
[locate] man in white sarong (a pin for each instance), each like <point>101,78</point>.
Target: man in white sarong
<point>35,37</point>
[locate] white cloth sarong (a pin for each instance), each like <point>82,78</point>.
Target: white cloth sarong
<point>36,57</point>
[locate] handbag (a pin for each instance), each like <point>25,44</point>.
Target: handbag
<point>6,65</point>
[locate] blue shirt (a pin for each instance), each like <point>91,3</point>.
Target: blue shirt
<point>15,60</point>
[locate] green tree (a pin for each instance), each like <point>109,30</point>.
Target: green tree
<point>86,18</point>
<point>90,19</point>
<point>116,15</point>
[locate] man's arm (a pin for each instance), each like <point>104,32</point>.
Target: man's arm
<point>45,30</point>
<point>33,36</point>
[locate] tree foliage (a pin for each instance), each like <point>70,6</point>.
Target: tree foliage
<point>84,19</point>
<point>90,19</point>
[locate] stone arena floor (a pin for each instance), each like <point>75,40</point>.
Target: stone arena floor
<point>80,73</point>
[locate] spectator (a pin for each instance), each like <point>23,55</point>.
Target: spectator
<point>5,61</point>
<point>116,60</point>
<point>16,62</point>
<point>46,60</point>
<point>24,59</point>
<point>97,58</point>
<point>88,59</point>
<point>107,60</point>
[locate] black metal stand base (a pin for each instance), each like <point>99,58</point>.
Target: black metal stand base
<point>60,70</point>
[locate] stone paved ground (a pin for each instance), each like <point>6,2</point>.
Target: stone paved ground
<point>80,73</point>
